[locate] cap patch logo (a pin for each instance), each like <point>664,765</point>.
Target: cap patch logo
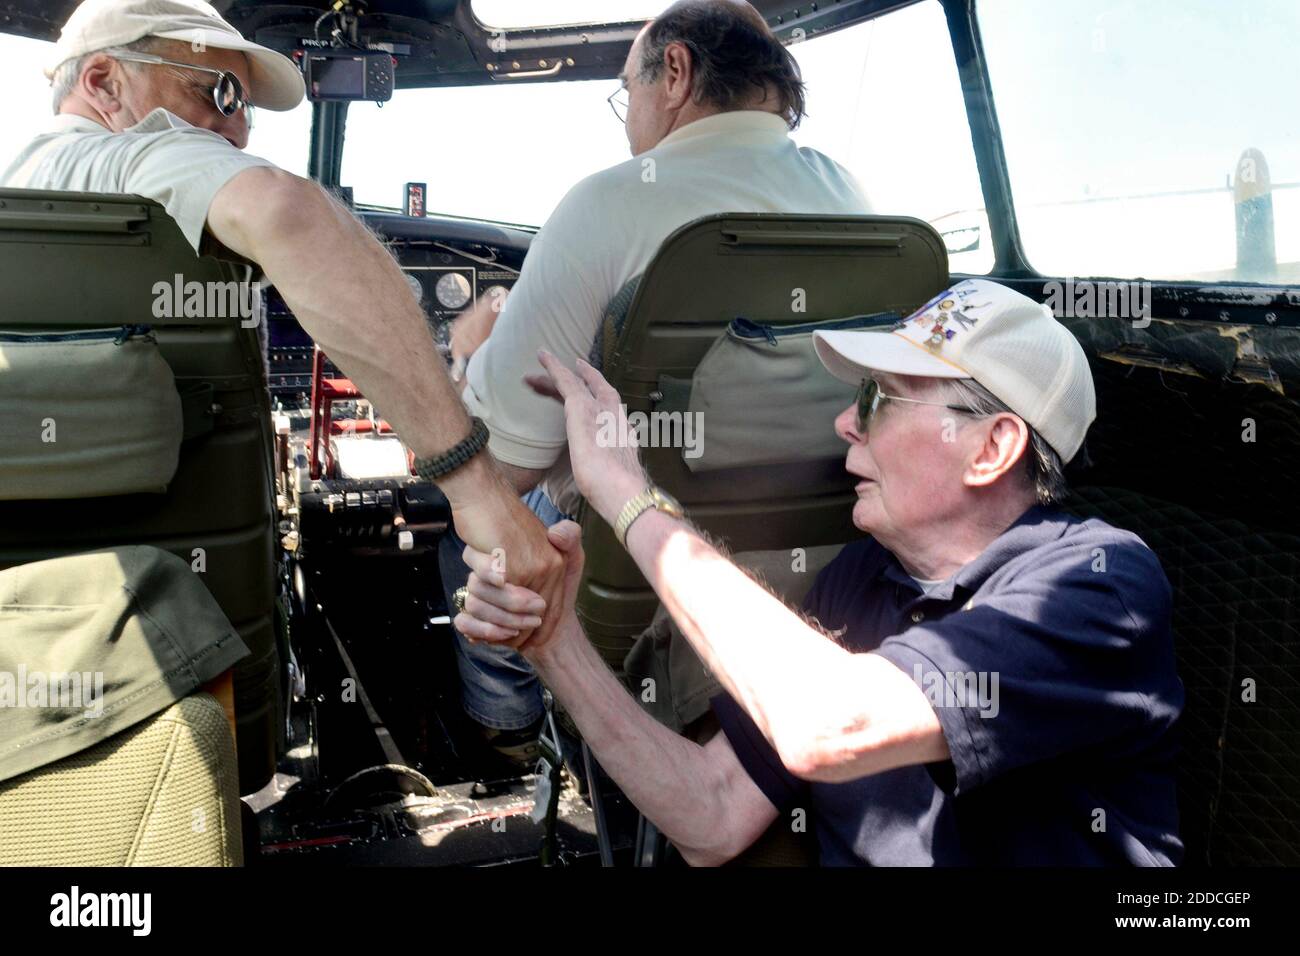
<point>947,314</point>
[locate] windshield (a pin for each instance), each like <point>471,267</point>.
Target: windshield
<point>516,14</point>
<point>507,152</point>
<point>510,152</point>
<point>1151,138</point>
<point>282,138</point>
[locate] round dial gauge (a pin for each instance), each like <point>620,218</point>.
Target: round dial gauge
<point>496,295</point>
<point>452,290</point>
<point>417,290</point>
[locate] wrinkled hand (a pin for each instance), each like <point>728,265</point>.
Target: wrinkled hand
<point>471,329</point>
<point>496,611</point>
<point>501,526</point>
<point>602,447</point>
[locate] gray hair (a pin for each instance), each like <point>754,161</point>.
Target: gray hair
<point>69,71</point>
<point>734,54</point>
<point>1045,471</point>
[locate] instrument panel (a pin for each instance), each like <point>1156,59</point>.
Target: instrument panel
<point>446,287</point>
<point>343,475</point>
<point>446,283</point>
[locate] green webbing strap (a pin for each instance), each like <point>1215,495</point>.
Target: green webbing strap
<point>611,326</point>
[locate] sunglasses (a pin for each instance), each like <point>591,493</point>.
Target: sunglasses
<point>870,396</point>
<point>227,93</point>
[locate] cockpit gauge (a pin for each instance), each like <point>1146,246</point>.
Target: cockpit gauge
<point>417,289</point>
<point>453,291</point>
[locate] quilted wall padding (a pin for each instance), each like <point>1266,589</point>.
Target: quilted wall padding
<point>163,793</point>
<point>1236,617</point>
<point>1179,438</point>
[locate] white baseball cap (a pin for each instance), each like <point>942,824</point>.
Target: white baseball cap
<point>102,24</point>
<point>977,329</point>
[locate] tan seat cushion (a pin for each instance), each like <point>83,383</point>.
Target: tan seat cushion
<point>162,793</point>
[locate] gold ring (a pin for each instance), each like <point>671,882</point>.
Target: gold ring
<point>458,598</point>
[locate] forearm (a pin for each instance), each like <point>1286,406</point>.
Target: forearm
<point>350,296</point>
<point>523,480</point>
<point>666,776</point>
<point>788,676</point>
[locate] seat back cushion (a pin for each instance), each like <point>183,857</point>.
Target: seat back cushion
<point>163,793</point>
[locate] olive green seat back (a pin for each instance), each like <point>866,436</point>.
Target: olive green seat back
<point>161,793</point>
<point>763,267</point>
<point>72,261</point>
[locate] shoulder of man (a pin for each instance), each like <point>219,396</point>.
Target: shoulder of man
<point>596,198</point>
<point>832,171</point>
<point>1097,557</point>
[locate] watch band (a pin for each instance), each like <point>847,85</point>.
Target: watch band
<point>432,469</point>
<point>652,497</point>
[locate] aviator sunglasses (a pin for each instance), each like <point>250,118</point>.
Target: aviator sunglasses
<point>227,93</point>
<point>870,396</point>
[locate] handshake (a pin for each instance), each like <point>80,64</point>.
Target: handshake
<point>525,578</point>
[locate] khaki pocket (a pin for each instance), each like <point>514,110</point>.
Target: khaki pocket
<point>761,396</point>
<point>86,414</point>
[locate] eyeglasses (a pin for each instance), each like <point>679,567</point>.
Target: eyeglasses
<point>227,93</point>
<point>870,396</point>
<point>618,102</point>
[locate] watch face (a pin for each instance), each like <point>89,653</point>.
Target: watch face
<point>666,502</point>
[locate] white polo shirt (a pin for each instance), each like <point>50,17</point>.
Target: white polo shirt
<point>162,158</point>
<point>603,233</point>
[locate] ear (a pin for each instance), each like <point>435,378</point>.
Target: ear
<point>1003,446</point>
<point>678,75</point>
<point>101,83</point>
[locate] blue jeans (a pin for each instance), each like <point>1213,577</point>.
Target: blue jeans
<point>498,686</point>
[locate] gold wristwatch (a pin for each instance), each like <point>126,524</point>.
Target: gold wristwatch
<point>652,497</point>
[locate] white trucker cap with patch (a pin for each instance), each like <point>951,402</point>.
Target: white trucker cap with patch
<point>101,24</point>
<point>977,329</point>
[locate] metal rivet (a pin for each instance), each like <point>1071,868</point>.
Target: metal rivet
<point>1182,311</point>
<point>1270,317</point>
<point>542,64</point>
<point>1223,315</point>
<point>514,65</point>
<point>918,617</point>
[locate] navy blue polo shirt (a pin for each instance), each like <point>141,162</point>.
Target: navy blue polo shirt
<point>1050,663</point>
